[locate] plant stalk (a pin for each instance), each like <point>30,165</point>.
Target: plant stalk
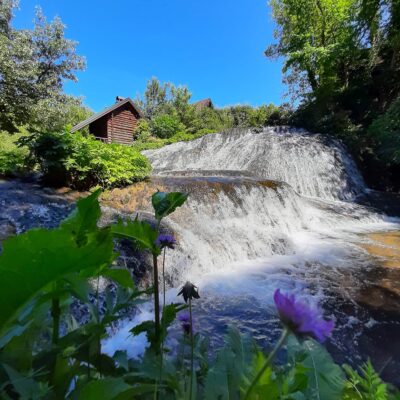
<point>156,298</point>
<point>191,349</point>
<point>270,358</point>
<point>55,313</point>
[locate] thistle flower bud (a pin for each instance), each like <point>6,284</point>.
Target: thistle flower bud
<point>189,291</point>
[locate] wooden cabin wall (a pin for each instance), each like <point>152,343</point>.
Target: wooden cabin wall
<point>121,125</point>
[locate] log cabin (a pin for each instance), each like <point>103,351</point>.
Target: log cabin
<point>205,103</point>
<point>115,124</point>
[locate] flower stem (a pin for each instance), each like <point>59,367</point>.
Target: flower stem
<point>55,313</point>
<point>191,349</point>
<point>156,298</point>
<point>163,310</point>
<point>163,277</point>
<point>271,356</point>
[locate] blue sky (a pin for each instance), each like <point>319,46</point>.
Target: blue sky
<point>215,47</point>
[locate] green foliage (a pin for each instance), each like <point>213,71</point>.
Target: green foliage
<point>43,256</point>
<point>365,385</point>
<point>385,130</point>
<point>165,126</point>
<point>170,117</point>
<point>140,232</point>
<point>341,64</point>
<point>33,66</point>
<point>325,378</point>
<point>44,271</point>
<point>83,162</point>
<point>13,159</point>
<point>142,131</point>
<point>92,162</point>
<point>166,203</point>
<point>231,367</point>
<point>56,112</point>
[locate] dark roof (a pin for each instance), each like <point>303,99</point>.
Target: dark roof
<point>204,103</point>
<point>106,111</point>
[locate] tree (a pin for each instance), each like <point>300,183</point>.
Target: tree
<point>33,65</point>
<point>155,98</point>
<point>342,61</point>
<point>316,38</point>
<point>56,112</point>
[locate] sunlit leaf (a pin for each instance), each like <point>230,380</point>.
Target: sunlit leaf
<point>166,203</point>
<point>140,232</point>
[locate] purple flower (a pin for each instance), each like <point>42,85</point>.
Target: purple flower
<point>302,318</point>
<point>166,241</point>
<point>184,319</point>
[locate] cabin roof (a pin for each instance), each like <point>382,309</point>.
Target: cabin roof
<point>204,103</point>
<point>106,111</point>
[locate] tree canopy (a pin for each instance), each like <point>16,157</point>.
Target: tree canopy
<point>33,66</point>
<point>342,64</point>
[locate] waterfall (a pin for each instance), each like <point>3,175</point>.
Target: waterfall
<point>267,209</point>
<point>312,164</point>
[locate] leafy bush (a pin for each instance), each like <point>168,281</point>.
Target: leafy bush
<point>45,354</point>
<point>143,131</point>
<point>165,126</point>
<point>83,162</point>
<point>13,159</point>
<point>385,130</point>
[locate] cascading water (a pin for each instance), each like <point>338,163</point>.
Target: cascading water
<point>312,164</point>
<point>241,236</point>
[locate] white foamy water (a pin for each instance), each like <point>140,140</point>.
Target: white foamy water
<point>312,164</point>
<point>241,238</point>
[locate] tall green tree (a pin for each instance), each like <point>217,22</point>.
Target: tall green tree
<point>33,65</point>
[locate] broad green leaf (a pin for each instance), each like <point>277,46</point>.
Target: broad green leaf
<point>166,203</point>
<point>231,368</point>
<point>148,327</point>
<point>104,389</point>
<point>85,217</point>
<point>33,260</point>
<point>119,275</point>
<point>25,386</point>
<point>325,378</point>
<point>140,232</point>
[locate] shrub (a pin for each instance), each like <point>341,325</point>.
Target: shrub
<point>13,159</point>
<point>83,162</point>
<point>143,131</point>
<point>165,126</point>
<point>385,130</point>
<point>92,162</point>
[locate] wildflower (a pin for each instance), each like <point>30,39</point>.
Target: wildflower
<point>301,318</point>
<point>166,241</point>
<point>184,319</point>
<point>189,292</point>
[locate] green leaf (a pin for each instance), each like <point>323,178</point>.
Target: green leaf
<point>325,378</point>
<point>119,275</point>
<point>166,203</point>
<point>25,386</point>
<point>366,384</point>
<point>33,260</point>
<point>140,232</point>
<point>104,389</point>
<point>84,219</point>
<point>148,327</point>
<point>231,368</point>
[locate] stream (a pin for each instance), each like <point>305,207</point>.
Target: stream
<point>267,209</point>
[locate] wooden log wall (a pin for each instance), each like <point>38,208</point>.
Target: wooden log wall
<point>121,125</point>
